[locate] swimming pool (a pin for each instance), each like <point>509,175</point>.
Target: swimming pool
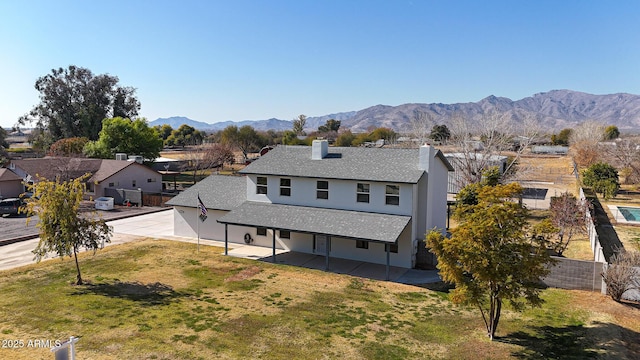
<point>630,213</point>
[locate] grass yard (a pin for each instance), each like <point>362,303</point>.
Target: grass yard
<point>155,299</point>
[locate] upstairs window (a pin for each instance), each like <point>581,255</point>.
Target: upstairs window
<point>285,234</point>
<point>392,195</point>
<point>362,193</point>
<point>285,187</point>
<point>261,187</point>
<point>261,231</point>
<point>322,189</point>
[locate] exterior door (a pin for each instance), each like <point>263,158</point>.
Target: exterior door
<point>321,244</point>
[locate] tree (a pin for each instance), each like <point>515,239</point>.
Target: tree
<point>185,135</point>
<point>388,135</point>
<point>611,132</point>
<point>481,141</point>
<point>602,178</point>
<point>70,147</point>
<point>245,139</point>
<point>568,217</point>
<point>490,257</point>
<point>345,138</point>
<point>440,133</point>
<point>329,126</point>
<point>120,135</point>
<point>164,130</point>
<point>584,142</point>
<point>299,124</point>
<point>74,101</point>
<point>290,138</point>
<point>420,125</point>
<point>562,138</point>
<point>622,274</point>
<point>624,155</point>
<point>62,229</point>
<point>3,138</point>
<point>216,155</point>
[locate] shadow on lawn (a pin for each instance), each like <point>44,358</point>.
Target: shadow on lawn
<point>147,294</point>
<point>576,342</point>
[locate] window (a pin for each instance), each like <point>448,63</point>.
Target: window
<point>361,244</point>
<point>393,248</point>
<point>285,234</point>
<point>133,183</point>
<point>261,188</point>
<point>151,180</point>
<point>285,187</point>
<point>112,184</point>
<point>362,193</point>
<point>393,195</point>
<point>261,231</point>
<point>322,189</point>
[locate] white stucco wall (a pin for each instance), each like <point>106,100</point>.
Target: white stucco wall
<point>186,223</point>
<point>342,195</point>
<point>437,196</point>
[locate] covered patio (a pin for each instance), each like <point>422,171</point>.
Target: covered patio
<point>339,266</point>
<point>323,224</point>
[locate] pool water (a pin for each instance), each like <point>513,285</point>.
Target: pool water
<point>630,213</point>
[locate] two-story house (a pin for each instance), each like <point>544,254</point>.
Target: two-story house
<point>367,204</point>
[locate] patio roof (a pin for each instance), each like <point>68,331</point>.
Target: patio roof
<point>375,227</point>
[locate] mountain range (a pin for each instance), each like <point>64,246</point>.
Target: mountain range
<point>553,110</point>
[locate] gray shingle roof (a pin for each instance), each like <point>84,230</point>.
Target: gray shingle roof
<point>370,164</point>
<point>342,223</point>
<point>217,192</point>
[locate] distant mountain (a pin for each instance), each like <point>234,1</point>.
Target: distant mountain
<point>176,121</point>
<point>554,110</point>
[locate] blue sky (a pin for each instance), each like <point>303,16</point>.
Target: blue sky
<point>246,60</point>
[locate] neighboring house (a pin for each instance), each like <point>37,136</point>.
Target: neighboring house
<point>10,184</point>
<point>476,161</point>
<point>367,204</point>
<point>105,173</point>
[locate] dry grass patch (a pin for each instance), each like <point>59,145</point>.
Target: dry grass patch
<point>156,299</point>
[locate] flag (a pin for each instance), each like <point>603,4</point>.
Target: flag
<point>203,209</point>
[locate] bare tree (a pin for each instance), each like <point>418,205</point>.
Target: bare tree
<point>216,155</point>
<point>584,140</point>
<point>489,141</point>
<point>622,274</point>
<point>568,215</point>
<point>420,126</point>
<point>624,155</point>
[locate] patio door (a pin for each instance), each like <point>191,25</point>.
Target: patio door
<point>320,244</point>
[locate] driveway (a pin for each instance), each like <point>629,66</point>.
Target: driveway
<point>160,225</point>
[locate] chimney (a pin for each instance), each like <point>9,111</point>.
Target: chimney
<point>319,149</point>
<point>426,154</point>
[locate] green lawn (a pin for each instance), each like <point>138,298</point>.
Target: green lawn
<point>156,299</point>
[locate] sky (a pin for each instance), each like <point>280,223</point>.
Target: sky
<point>240,60</point>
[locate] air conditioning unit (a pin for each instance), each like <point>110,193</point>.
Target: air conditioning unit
<point>121,156</point>
<point>137,158</point>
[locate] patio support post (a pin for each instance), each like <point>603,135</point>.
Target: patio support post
<point>326,255</point>
<point>226,239</point>
<point>386,248</point>
<point>273,259</point>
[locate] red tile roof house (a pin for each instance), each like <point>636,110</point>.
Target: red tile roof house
<point>105,173</point>
<point>10,184</point>
<point>366,204</point>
